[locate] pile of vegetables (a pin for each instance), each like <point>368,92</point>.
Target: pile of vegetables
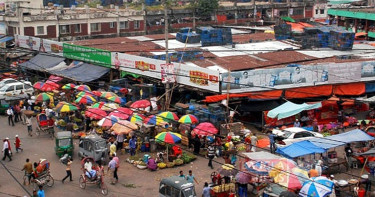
<point>162,165</point>
<point>170,164</point>
<point>178,162</point>
<point>187,158</point>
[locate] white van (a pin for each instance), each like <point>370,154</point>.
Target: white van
<point>16,91</point>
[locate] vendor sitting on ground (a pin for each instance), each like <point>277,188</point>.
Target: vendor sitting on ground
<point>151,164</point>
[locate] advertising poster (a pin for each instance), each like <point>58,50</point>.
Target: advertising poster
<point>3,29</point>
<point>28,42</point>
<point>87,54</point>
<point>38,44</point>
<point>167,73</point>
<point>344,73</point>
<point>50,46</point>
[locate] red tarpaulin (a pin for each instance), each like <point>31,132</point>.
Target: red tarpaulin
<point>308,92</point>
<point>349,89</point>
<point>274,94</point>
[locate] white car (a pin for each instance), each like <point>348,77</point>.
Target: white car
<point>11,80</point>
<point>16,91</point>
<point>290,135</point>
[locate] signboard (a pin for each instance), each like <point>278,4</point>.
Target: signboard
<point>344,73</point>
<point>167,73</point>
<point>188,75</point>
<point>3,29</point>
<point>87,54</point>
<point>38,44</point>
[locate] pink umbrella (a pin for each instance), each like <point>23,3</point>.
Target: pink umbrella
<point>140,104</point>
<point>38,85</point>
<point>204,129</point>
<point>95,113</point>
<point>125,110</point>
<point>120,115</point>
<point>50,86</point>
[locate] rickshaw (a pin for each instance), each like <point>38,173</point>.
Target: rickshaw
<point>64,144</point>
<point>42,174</point>
<point>93,146</point>
<point>93,176</point>
<point>176,186</point>
<point>44,124</point>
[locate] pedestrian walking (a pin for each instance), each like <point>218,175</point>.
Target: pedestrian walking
<point>41,191</point>
<point>191,178</point>
<point>197,145</point>
<point>17,111</point>
<point>17,144</point>
<point>254,140</point>
<point>7,149</point>
<point>10,114</point>
<point>117,166</point>
<point>210,154</point>
<point>271,136</point>
<point>28,168</point>
<point>68,171</point>
<point>111,168</point>
<point>23,109</point>
<point>112,148</point>
<point>29,124</point>
<point>182,174</point>
<point>206,190</point>
<point>132,145</point>
<point>120,142</point>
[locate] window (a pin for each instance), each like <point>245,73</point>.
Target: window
<point>137,24</point>
<point>316,11</point>
<point>124,25</point>
<point>298,135</point>
<point>95,27</point>
<point>283,13</point>
<point>19,87</point>
<point>64,29</point>
<point>112,25</point>
<point>298,12</point>
<point>40,30</point>
<point>321,11</point>
<point>77,28</point>
<point>27,86</point>
<point>11,88</point>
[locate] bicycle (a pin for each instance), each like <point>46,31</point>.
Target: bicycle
<point>26,177</point>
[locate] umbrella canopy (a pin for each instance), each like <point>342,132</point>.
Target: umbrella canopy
<point>107,94</point>
<point>204,129</point>
<point>125,110</point>
<point>84,93</point>
<point>119,115</point>
<point>140,104</point>
<point>110,106</point>
<point>292,179</point>
<point>136,118</point>
<point>243,178</point>
<point>188,119</point>
<point>50,86</point>
<point>108,121</point>
<point>38,85</point>
<point>168,137</point>
<point>116,99</point>
<point>263,143</point>
<point>65,107</point>
<point>227,170</point>
<point>168,116</point>
<point>282,164</point>
<point>257,167</point>
<point>95,113</point>
<point>98,105</point>
<point>68,86</point>
<point>82,88</point>
<point>123,127</point>
<point>96,93</point>
<point>288,18</point>
<point>153,120</point>
<point>317,187</point>
<point>43,97</point>
<point>86,99</point>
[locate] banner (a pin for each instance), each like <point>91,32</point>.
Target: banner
<point>38,44</point>
<point>167,73</point>
<point>87,54</point>
<point>188,75</point>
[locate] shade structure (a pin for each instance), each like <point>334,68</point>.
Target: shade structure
<point>140,104</point>
<point>65,107</point>
<point>119,115</point>
<point>125,110</point>
<point>288,18</point>
<point>281,165</point>
<point>83,93</point>
<point>85,100</point>
<point>153,120</point>
<point>43,97</point>
<point>110,106</point>
<point>116,99</point>
<point>168,116</point>
<point>168,137</point>
<point>243,177</point>
<point>107,94</point>
<point>95,113</point>
<point>258,167</point>
<point>289,109</point>
<point>82,88</point>
<point>298,149</point>
<point>38,85</point>
<point>68,86</point>
<point>124,127</point>
<point>188,119</point>
<point>96,93</point>
<point>317,187</point>
<point>204,129</point>
<point>292,179</point>
<point>108,121</point>
<point>137,118</point>
<point>227,170</point>
<point>98,104</point>
<point>50,86</point>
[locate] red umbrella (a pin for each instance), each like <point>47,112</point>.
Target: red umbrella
<point>96,93</point>
<point>140,104</point>
<point>95,113</point>
<point>204,129</point>
<point>38,85</point>
<point>50,86</point>
<point>119,115</point>
<point>125,110</point>
<point>124,90</point>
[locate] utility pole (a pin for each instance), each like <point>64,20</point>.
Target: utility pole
<point>167,85</point>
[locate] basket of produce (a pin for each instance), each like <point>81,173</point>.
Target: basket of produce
<point>162,165</point>
<point>178,162</point>
<point>170,164</point>
<point>141,165</point>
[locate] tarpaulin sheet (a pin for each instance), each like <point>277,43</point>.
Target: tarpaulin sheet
<point>83,72</point>
<point>269,95</point>
<point>289,109</point>
<point>370,87</point>
<point>349,89</point>
<point>42,62</point>
<point>308,92</point>
<point>274,94</point>
<point>298,149</point>
<point>6,39</point>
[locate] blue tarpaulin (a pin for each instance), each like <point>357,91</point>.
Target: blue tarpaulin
<point>6,39</point>
<point>42,62</point>
<point>299,149</point>
<point>289,109</point>
<point>82,72</point>
<point>370,87</point>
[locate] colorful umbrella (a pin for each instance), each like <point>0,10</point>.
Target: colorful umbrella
<point>317,187</point>
<point>123,127</point>
<point>227,170</point>
<point>119,115</point>
<point>85,99</point>
<point>243,177</point>
<point>38,85</point>
<point>168,137</point>
<point>116,99</point>
<point>204,129</point>
<point>258,167</point>
<point>49,86</point>
<point>83,93</point>
<point>125,110</point>
<point>97,93</point>
<point>153,120</point>
<point>98,105</point>
<point>95,113</point>
<point>43,97</point>
<point>82,88</point>
<point>65,107</point>
<point>68,86</point>
<point>136,118</point>
<point>168,116</point>
<point>188,119</point>
<point>290,180</point>
<point>110,106</point>
<point>107,94</point>
<point>140,104</point>
<point>108,121</point>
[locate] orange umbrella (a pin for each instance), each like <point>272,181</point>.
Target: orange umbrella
<point>123,127</point>
<point>263,143</point>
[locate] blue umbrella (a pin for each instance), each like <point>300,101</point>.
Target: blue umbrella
<point>317,187</point>
<point>260,167</point>
<point>108,121</point>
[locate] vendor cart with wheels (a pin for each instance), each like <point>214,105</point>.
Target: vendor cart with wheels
<point>92,175</point>
<point>45,125</point>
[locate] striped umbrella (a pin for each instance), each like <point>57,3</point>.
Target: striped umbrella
<point>68,86</point>
<point>65,107</point>
<point>153,120</point>
<point>168,116</point>
<point>168,137</point>
<point>98,105</point>
<point>317,187</point>
<point>83,93</point>
<point>96,93</point>
<point>116,99</point>
<point>125,110</point>
<point>110,107</point>
<point>43,97</point>
<point>107,94</point>
<point>188,119</point>
<point>119,115</point>
<point>85,99</point>
<point>95,113</point>
<point>137,118</point>
<point>204,129</point>
<point>82,88</point>
<point>38,85</point>
<point>108,121</point>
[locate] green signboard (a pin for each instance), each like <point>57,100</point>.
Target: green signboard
<point>87,54</point>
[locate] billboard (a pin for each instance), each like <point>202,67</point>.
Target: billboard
<point>39,44</point>
<point>87,54</point>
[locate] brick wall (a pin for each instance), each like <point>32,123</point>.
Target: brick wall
<point>105,29</point>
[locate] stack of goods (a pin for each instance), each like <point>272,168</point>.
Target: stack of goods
<point>310,38</point>
<point>215,36</point>
<point>341,40</point>
<point>283,32</point>
<point>186,34</point>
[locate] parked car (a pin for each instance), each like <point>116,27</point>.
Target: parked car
<point>16,91</point>
<point>290,135</point>
<point>93,146</point>
<point>6,81</point>
<point>176,186</point>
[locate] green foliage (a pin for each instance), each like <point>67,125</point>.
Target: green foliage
<point>206,7</point>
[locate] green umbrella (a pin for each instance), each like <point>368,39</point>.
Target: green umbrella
<point>288,18</point>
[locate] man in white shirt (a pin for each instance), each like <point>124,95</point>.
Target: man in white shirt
<point>10,114</point>
<point>6,149</point>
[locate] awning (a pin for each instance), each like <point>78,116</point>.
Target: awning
<point>351,89</point>
<point>268,95</point>
<point>42,62</point>
<point>6,39</point>
<point>83,72</point>
<point>299,149</point>
<point>261,156</point>
<point>289,109</point>
<point>308,92</point>
<point>367,100</point>
<point>370,87</point>
<point>288,18</point>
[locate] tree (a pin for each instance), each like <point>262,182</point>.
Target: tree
<point>206,7</point>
